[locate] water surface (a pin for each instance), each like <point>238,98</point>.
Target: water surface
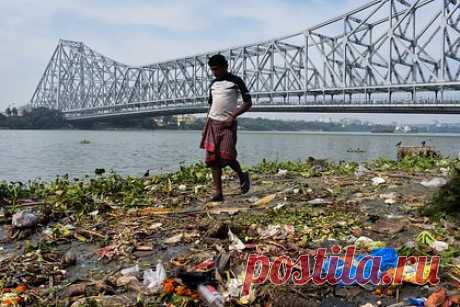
<point>28,154</point>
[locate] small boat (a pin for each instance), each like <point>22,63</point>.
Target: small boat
<point>356,150</point>
<point>388,129</point>
<point>85,141</point>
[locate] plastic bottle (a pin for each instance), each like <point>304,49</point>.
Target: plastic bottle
<point>210,296</point>
<point>130,271</point>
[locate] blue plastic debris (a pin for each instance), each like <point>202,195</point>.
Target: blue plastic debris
<point>388,259</point>
<point>417,301</point>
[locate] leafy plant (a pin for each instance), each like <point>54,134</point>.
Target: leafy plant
<point>446,201</point>
<point>195,173</point>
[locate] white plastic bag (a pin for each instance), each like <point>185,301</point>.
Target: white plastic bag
<point>436,182</point>
<point>154,279</point>
<point>23,219</point>
<point>378,180</point>
<point>235,242</point>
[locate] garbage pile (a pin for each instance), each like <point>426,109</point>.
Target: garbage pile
<point>110,240</point>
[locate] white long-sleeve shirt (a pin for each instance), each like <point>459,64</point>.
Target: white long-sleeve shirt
<point>223,96</point>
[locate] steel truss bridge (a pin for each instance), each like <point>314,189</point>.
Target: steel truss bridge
<point>400,56</point>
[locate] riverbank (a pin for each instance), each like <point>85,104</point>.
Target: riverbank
<point>87,231</point>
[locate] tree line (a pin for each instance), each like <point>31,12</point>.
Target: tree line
<point>37,118</point>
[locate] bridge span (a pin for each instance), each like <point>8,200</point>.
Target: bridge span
<point>388,56</point>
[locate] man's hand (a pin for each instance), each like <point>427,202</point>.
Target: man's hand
<point>229,122</point>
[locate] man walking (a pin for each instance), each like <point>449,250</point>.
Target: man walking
<point>219,135</point>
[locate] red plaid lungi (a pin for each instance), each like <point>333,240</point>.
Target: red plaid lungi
<point>219,142</point>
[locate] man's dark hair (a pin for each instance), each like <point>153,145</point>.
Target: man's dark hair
<point>218,60</point>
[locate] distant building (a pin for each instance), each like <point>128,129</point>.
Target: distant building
<point>403,129</point>
<point>177,120</point>
<point>185,119</point>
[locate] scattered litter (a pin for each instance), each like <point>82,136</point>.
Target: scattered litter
<point>130,271</point>
<point>444,171</point>
<point>377,180</point>
<point>389,198</point>
<point>436,182</point>
<point>23,219</point>
<point>279,206</point>
<point>282,172</point>
<point>107,251</point>
<point>388,260</point>
<point>234,287</point>
<point>437,298</point>
<point>439,246</point>
<point>174,239</point>
<point>417,301</point>
<point>153,280</point>
<point>278,231</point>
<point>427,239</point>
<point>155,226</point>
<point>361,171</point>
<point>103,300</point>
<point>210,296</point>
<point>194,279</point>
<point>319,201</point>
<point>248,299</point>
<point>368,243</point>
<point>198,188</point>
<point>410,274</point>
<point>205,265</point>
<point>126,280</point>
<point>117,226</point>
<point>235,242</point>
<point>264,201</point>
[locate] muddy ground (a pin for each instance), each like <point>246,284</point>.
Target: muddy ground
<point>75,255</point>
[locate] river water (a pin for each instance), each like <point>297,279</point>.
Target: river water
<point>31,154</point>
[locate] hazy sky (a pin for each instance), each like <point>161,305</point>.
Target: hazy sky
<point>146,31</point>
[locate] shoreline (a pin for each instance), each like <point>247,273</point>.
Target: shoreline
<point>308,132</point>
<point>191,163</point>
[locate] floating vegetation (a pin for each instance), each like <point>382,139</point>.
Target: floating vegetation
<point>416,164</point>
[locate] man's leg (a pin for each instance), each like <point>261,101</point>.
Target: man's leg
<point>235,165</point>
<point>245,182</point>
<point>217,179</point>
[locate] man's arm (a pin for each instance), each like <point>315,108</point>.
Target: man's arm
<point>210,96</point>
<point>247,101</point>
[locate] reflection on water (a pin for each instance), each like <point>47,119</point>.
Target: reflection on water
<point>27,154</point>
